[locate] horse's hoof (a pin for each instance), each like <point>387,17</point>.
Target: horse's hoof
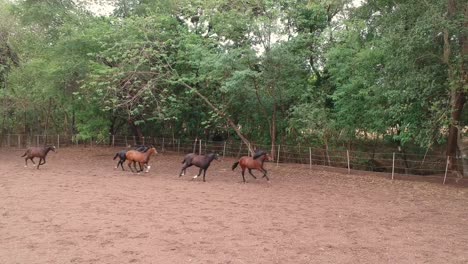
<point>194,177</point>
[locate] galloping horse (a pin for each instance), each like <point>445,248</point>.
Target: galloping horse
<point>40,153</point>
<point>201,161</point>
<point>253,163</point>
<point>134,156</point>
<point>123,156</point>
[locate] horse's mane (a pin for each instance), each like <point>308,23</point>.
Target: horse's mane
<point>259,153</point>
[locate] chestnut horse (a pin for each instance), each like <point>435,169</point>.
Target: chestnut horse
<point>201,161</point>
<point>134,156</point>
<point>253,163</point>
<point>40,153</point>
<point>122,155</point>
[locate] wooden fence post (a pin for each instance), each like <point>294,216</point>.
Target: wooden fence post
<point>195,145</point>
<point>310,158</point>
<point>178,145</point>
<point>19,141</point>
<point>58,141</point>
<point>393,166</point>
<point>224,149</point>
<point>347,156</point>
<point>278,156</point>
<point>162,146</point>
<point>199,148</point>
<point>113,140</point>
<point>446,169</point>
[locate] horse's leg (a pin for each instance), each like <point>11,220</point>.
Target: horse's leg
<point>134,165</point>
<point>26,162</point>
<point>199,173</point>
<point>39,164</point>
<point>204,172</point>
<point>129,164</point>
<point>182,171</point>
<point>148,167</point>
<point>121,162</point>
<point>250,171</point>
<point>265,174</point>
<point>243,171</point>
<point>32,160</point>
<point>43,159</point>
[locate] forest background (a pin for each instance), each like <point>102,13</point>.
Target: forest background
<point>363,75</point>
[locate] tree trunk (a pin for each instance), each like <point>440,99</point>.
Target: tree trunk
<point>46,127</point>
<point>223,115</point>
<point>136,131</point>
<point>326,152</point>
<point>114,127</point>
<point>457,93</point>
<point>273,133</point>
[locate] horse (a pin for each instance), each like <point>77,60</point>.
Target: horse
<point>201,161</point>
<point>134,156</point>
<point>36,152</point>
<point>122,156</point>
<point>253,163</point>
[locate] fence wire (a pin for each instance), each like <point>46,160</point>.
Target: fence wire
<point>406,163</point>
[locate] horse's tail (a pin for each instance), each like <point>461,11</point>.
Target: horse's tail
<point>235,165</point>
<point>116,155</point>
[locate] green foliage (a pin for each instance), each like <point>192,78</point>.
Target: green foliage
<point>286,71</point>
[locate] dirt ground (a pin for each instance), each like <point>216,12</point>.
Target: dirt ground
<point>78,209</point>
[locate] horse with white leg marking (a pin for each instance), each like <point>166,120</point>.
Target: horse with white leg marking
<point>122,155</point>
<point>36,152</point>
<point>134,156</point>
<point>200,161</point>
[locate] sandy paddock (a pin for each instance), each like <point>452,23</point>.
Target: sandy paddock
<point>78,209</point>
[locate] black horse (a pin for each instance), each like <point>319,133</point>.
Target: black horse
<point>201,161</point>
<point>123,156</point>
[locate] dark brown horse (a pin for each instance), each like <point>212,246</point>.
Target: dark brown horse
<point>201,161</point>
<point>36,152</point>
<point>253,163</point>
<point>134,156</point>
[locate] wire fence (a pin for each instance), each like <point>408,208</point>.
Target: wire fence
<point>390,162</point>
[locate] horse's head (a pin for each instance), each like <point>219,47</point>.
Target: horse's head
<point>268,157</point>
<point>51,148</point>
<point>152,150</point>
<point>213,156</point>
